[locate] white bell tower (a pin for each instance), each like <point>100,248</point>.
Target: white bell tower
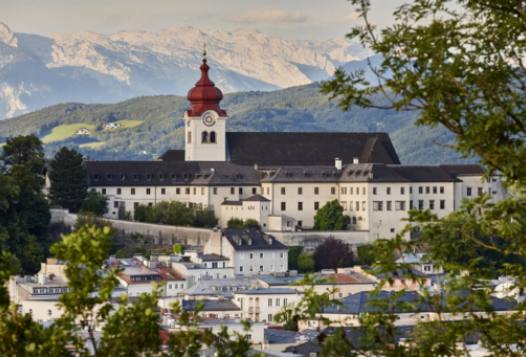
<point>205,121</point>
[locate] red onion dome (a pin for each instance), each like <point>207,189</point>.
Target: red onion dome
<point>204,95</point>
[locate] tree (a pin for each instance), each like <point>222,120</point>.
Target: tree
<point>204,218</point>
<point>95,203</point>
<point>332,254</point>
<point>128,328</point>
<point>294,253</point>
<point>330,217</point>
<point>306,263</point>
<point>457,64</point>
<point>69,179</point>
<point>24,218</point>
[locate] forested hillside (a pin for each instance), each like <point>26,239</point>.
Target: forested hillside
<point>147,126</point>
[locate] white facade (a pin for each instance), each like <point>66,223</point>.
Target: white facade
<point>205,138</point>
<point>248,258</point>
<point>262,305</point>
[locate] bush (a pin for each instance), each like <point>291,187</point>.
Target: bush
<point>306,262</point>
<point>176,214</point>
<point>239,223</point>
<point>95,203</point>
<point>365,255</point>
<point>294,253</point>
<point>235,223</point>
<point>330,217</point>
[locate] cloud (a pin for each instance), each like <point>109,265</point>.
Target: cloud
<point>270,16</point>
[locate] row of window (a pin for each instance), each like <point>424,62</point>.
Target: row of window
<point>316,190</point>
<point>421,190</point>
<point>251,268</point>
<point>401,205</point>
<point>187,190</point>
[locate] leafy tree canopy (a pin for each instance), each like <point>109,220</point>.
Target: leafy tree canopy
<point>332,254</point>
<point>330,217</point>
<point>95,203</point>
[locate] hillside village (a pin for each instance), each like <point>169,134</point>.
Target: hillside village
<point>278,183</point>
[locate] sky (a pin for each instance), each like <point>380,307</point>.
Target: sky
<point>292,19</point>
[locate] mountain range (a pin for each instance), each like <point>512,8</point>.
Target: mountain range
<point>38,71</point>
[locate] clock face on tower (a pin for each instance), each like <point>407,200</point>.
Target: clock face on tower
<point>208,118</point>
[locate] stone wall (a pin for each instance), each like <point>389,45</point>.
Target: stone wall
<point>311,239</point>
<point>161,234</point>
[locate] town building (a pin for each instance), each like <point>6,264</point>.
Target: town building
<point>250,251</point>
<point>282,179</point>
<point>262,304</point>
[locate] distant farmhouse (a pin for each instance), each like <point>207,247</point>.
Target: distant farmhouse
<point>83,132</point>
<point>282,179</point>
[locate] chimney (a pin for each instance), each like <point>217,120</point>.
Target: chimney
<point>338,163</point>
<point>212,170</point>
<point>355,160</point>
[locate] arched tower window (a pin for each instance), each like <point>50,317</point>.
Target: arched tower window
<point>204,137</point>
<point>213,137</point>
<point>189,137</point>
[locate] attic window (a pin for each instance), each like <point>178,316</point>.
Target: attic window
<point>123,177</point>
<point>289,174</point>
<point>149,177</point>
<point>109,177</point>
<point>162,176</point>
<point>239,176</point>
<point>350,172</point>
<point>136,177</point>
<point>308,174</point>
<point>96,177</point>
<point>358,172</point>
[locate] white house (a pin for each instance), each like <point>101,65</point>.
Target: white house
<point>250,251</point>
<point>262,304</point>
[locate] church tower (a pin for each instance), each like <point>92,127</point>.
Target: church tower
<point>205,121</point>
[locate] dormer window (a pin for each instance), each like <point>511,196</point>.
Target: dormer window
<point>123,177</point>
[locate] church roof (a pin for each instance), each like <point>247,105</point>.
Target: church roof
<point>276,149</point>
<point>303,149</point>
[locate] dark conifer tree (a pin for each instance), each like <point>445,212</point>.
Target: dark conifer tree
<point>68,176</point>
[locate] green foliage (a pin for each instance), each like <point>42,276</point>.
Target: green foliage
<point>333,254</point>
<point>330,217</point>
<point>239,223</point>
<point>178,248</point>
<point>24,212</point>
<point>459,65</point>
<point>235,223</point>
<point>365,255</point>
<point>306,263</point>
<point>294,252</point>
<point>69,180</point>
<point>251,223</point>
<point>95,203</point>
<point>175,213</point>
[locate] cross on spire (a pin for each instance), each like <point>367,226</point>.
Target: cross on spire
<point>204,52</point>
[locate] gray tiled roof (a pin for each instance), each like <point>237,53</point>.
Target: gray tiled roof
<point>315,148</point>
<point>166,173</point>
<point>251,239</point>
<point>364,302</point>
<point>170,173</point>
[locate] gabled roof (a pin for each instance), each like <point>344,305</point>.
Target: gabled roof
<point>464,170</point>
<point>296,148</point>
<point>251,239</point>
